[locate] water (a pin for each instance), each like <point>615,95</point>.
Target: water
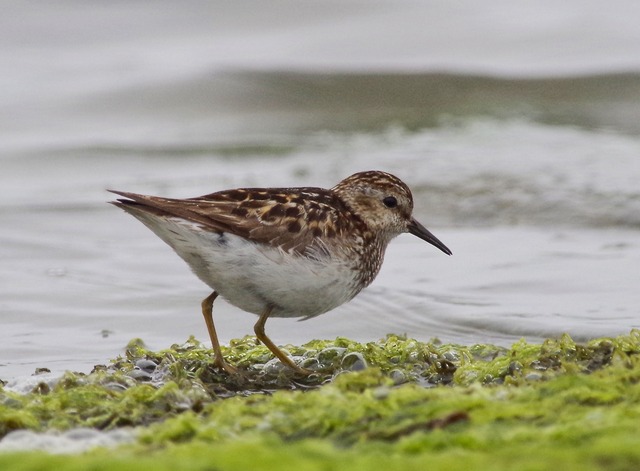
<point>515,125</point>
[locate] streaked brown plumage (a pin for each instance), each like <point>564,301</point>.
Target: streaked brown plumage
<point>289,252</point>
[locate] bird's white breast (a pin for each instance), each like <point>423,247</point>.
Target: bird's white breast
<point>253,276</point>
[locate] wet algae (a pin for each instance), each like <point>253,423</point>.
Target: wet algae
<point>396,403</point>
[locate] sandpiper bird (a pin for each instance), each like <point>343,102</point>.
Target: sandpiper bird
<point>283,252</point>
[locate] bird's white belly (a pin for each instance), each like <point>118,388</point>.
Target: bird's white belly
<point>253,276</point>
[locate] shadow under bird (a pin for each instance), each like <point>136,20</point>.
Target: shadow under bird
<point>283,252</point>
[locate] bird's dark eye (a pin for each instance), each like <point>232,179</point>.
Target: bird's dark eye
<point>390,201</point>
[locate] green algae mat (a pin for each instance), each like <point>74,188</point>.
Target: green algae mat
<point>397,403</point>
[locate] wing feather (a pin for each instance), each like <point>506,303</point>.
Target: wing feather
<point>293,219</point>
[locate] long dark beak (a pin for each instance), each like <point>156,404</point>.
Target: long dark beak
<point>422,232</point>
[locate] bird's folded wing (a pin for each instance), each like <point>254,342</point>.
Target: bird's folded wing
<point>284,218</point>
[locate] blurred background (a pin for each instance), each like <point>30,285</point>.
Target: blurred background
<point>516,124</point>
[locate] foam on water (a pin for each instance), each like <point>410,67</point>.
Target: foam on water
<point>71,441</point>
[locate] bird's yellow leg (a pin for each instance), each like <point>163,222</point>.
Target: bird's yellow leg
<point>259,330</point>
<point>207,312</point>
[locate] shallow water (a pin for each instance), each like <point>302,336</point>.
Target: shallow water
<point>524,163</point>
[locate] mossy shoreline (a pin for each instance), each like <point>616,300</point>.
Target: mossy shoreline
<point>398,403</point>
